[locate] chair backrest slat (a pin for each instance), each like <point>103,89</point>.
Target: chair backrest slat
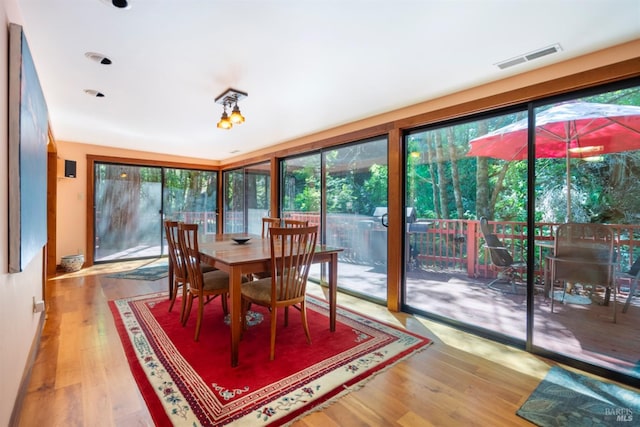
<point>296,223</point>
<point>175,253</point>
<point>292,250</point>
<point>188,238</point>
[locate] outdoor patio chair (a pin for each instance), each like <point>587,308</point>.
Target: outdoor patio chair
<point>584,254</point>
<point>509,270</point>
<point>633,274</point>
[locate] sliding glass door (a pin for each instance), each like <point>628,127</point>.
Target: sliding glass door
<point>344,191</point>
<point>527,227</point>
<point>131,201</point>
<point>247,197</point>
<point>127,212</point>
<point>191,196</point>
<point>458,190</point>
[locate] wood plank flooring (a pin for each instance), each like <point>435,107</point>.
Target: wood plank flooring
<point>81,376</point>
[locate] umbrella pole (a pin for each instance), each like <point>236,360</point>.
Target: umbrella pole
<point>568,185</point>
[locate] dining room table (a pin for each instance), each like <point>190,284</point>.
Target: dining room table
<point>253,256</point>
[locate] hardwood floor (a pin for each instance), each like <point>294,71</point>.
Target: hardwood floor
<point>81,376</point>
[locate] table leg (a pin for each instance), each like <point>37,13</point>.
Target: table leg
<point>235,310</point>
<point>333,290</point>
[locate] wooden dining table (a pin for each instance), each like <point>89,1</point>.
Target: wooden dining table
<point>222,252</point>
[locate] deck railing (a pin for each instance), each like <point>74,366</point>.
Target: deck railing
<point>459,245</point>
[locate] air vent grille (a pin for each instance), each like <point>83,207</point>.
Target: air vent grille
<point>529,56</point>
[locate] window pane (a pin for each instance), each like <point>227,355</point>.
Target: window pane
<point>127,216</point>
<point>301,188</point>
<point>190,196</point>
<point>234,205</point>
<point>456,175</point>
<point>356,183</point>
<point>257,180</point>
<point>588,174</point>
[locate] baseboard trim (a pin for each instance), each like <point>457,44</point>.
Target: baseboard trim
<point>26,375</point>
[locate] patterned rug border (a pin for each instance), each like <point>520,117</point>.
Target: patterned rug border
<point>419,343</point>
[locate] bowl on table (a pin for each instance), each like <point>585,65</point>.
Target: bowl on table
<point>241,240</point>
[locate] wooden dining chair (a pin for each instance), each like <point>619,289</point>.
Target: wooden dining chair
<point>201,286</point>
<point>295,223</point>
<point>292,250</point>
<point>177,268</point>
<point>267,223</point>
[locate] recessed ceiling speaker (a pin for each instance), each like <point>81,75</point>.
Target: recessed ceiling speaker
<point>98,57</point>
<point>93,92</point>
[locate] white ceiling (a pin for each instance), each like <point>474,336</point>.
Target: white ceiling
<point>307,65</point>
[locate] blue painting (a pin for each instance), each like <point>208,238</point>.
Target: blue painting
<point>28,137</point>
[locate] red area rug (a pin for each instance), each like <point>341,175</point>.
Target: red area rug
<point>192,383</point>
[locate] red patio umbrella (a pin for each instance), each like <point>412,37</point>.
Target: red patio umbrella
<point>569,130</point>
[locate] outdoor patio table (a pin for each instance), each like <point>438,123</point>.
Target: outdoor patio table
<point>222,252</point>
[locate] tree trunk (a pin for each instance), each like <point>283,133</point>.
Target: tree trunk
<point>443,180</point>
<point>431,167</point>
<point>455,176</point>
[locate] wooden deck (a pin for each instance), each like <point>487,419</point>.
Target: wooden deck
<point>582,331</point>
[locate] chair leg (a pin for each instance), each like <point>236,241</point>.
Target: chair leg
<point>303,314</point>
<point>188,310</point>
<point>632,291</point>
<point>274,321</point>
<point>286,316</point>
<point>184,302</point>
<point>174,294</point>
<point>199,320</point>
<point>171,282</point>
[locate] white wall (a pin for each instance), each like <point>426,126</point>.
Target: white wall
<point>18,324</point>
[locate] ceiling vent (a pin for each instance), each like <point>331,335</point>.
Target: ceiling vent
<point>529,56</point>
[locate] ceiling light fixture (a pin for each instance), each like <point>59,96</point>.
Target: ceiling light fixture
<point>229,98</point>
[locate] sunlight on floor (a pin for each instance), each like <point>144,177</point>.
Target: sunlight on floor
<point>110,268</point>
<point>507,356</point>
<point>441,334</point>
